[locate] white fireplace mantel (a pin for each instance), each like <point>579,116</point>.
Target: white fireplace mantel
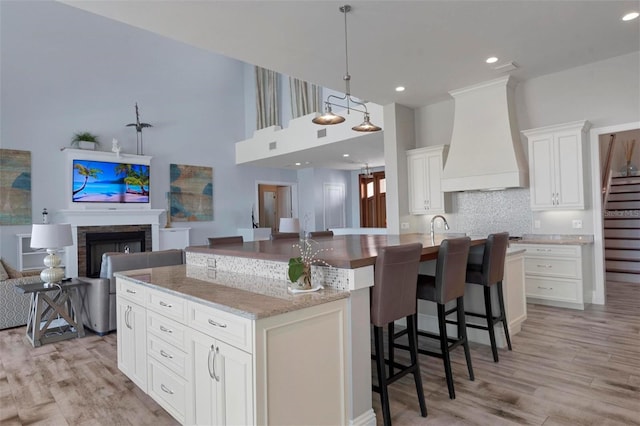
<point>106,217</point>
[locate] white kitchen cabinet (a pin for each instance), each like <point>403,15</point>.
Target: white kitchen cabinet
<point>222,382</point>
<point>131,340</point>
<point>556,275</point>
<point>30,259</point>
<point>556,157</point>
<point>209,366</point>
<point>173,238</point>
<point>425,173</point>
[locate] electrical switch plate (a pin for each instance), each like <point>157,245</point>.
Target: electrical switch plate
<point>536,224</point>
<point>404,225</point>
<point>577,224</point>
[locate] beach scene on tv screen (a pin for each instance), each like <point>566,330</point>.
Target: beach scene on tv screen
<point>104,182</point>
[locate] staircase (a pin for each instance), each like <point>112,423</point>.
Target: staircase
<point>622,230</point>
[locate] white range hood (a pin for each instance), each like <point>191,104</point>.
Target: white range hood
<point>485,151</point>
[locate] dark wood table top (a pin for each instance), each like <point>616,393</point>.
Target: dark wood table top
<point>37,287</point>
<point>340,251</point>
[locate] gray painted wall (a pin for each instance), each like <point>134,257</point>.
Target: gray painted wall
<point>65,70</point>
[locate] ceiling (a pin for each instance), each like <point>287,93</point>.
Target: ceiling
<point>429,47</point>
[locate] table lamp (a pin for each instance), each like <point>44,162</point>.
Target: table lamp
<point>51,236</point>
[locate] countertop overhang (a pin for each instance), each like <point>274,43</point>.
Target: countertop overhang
<point>340,251</point>
<point>249,296</point>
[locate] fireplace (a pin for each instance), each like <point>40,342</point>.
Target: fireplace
<point>93,241</point>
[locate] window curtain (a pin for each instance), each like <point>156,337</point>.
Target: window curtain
<point>266,98</point>
<point>305,97</point>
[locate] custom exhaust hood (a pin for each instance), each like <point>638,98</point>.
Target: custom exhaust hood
<point>485,151</point>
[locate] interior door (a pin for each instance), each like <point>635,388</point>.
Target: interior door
<point>283,200</point>
<point>334,205</point>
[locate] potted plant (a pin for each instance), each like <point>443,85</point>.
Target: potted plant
<point>300,267</point>
<point>84,140</point>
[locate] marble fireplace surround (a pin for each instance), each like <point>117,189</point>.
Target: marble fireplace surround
<point>106,217</point>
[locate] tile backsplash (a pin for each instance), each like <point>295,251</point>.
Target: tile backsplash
<point>493,211</point>
<point>487,212</point>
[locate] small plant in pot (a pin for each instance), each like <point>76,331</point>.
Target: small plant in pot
<point>84,140</point>
<point>299,270</point>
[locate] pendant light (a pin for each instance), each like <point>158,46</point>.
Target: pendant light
<point>329,118</point>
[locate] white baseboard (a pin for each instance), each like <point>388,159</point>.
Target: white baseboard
<point>368,418</point>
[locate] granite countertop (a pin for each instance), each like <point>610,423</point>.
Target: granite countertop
<point>559,239</point>
<point>248,296</point>
<point>340,251</point>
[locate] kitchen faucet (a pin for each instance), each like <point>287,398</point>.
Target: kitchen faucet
<point>433,219</point>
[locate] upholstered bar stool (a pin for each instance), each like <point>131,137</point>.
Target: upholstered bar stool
<point>488,274</point>
<point>216,241</point>
<point>284,236</point>
<point>446,286</point>
<point>318,234</point>
<point>393,296</point>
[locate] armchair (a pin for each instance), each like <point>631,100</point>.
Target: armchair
<point>14,306</point>
<point>99,297</point>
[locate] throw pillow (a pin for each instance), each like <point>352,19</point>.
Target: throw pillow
<point>3,272</point>
<point>13,273</point>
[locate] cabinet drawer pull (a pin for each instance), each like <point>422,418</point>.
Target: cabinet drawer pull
<point>132,291</point>
<point>211,363</point>
<point>166,305</point>
<point>166,355</point>
<point>127,312</point>
<point>217,324</point>
<point>165,329</point>
<point>544,250</point>
<point>545,288</point>
<point>166,389</point>
<point>544,266</point>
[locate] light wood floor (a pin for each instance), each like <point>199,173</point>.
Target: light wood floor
<point>567,367</point>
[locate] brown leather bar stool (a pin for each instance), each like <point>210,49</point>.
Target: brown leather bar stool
<point>318,234</point>
<point>284,236</point>
<point>216,241</point>
<point>488,274</point>
<point>446,286</point>
<point>393,296</point>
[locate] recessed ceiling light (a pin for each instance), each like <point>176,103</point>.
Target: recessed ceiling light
<point>345,155</point>
<point>298,164</point>
<point>630,16</point>
<point>492,60</point>
<point>400,89</point>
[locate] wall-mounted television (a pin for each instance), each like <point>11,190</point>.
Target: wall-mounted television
<point>109,182</point>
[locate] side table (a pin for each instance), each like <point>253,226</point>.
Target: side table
<point>45,308</point>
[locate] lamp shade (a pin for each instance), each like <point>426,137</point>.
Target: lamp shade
<point>289,224</point>
<point>51,235</point>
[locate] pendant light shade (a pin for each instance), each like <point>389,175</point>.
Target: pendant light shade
<point>366,126</point>
<point>329,118</point>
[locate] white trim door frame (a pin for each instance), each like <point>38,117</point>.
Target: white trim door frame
<point>599,282</point>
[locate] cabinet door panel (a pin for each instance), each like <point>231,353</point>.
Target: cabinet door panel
<point>132,341</point>
<point>542,172</point>
<point>204,386</point>
<point>569,170</point>
<point>417,166</point>
<point>236,396</point>
<point>435,196</point>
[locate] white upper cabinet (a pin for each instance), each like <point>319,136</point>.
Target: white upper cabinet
<point>425,173</point>
<point>556,166</point>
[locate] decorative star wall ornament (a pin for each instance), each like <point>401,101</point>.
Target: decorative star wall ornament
<point>139,126</point>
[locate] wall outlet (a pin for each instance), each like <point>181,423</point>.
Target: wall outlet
<point>577,224</point>
<point>404,225</point>
<point>536,224</point>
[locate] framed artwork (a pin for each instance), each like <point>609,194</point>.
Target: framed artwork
<point>190,193</point>
<point>15,187</point>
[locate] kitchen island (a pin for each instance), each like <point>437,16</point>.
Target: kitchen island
<point>246,283</point>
